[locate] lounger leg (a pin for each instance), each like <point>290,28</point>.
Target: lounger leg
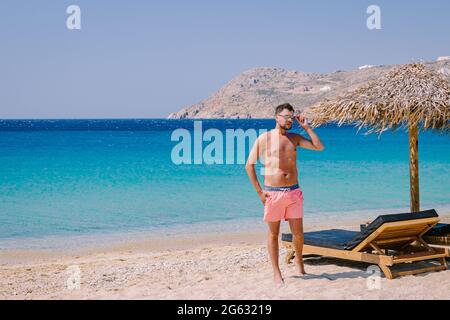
<point>289,256</point>
<point>387,271</point>
<point>444,263</point>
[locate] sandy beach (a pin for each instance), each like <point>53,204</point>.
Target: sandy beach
<point>208,266</point>
<point>148,152</point>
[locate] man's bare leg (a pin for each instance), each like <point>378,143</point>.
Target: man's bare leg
<point>272,245</point>
<point>296,226</point>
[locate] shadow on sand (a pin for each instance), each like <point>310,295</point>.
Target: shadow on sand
<point>360,269</point>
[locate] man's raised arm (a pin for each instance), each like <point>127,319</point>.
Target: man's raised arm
<point>314,143</point>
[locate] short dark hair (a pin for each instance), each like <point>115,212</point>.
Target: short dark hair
<point>283,106</point>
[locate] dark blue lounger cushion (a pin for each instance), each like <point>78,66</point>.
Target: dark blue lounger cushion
<point>439,230</point>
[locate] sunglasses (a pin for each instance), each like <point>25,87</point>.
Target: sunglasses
<point>287,117</point>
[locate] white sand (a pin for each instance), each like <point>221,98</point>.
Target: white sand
<point>221,266</point>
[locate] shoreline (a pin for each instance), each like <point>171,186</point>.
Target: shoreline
<point>314,221</point>
<point>202,266</point>
<point>146,242</point>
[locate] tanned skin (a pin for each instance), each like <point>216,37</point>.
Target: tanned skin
<point>278,150</point>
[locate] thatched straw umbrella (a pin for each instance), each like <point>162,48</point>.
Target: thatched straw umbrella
<point>410,97</point>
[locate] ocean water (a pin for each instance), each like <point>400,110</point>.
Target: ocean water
<point>73,178</point>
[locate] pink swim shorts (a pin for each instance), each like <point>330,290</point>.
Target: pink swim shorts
<point>283,203</point>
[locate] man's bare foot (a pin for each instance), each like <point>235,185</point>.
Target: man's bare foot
<point>301,267</point>
<point>278,279</point>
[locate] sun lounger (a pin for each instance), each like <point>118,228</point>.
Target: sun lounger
<point>438,235</point>
<point>389,240</point>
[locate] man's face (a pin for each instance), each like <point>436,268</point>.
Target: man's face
<point>285,119</point>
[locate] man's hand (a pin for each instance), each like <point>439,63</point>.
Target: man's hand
<point>303,122</point>
<point>263,195</point>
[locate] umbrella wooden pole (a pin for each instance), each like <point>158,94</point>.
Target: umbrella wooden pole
<point>414,168</point>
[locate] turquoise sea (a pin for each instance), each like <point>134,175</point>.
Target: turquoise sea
<point>84,179</point>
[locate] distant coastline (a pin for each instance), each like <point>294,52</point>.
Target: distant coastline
<point>254,93</point>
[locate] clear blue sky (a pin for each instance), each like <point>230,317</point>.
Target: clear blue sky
<point>143,59</point>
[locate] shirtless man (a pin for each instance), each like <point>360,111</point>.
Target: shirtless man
<point>281,196</point>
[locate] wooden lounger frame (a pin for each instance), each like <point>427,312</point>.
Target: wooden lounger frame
<point>438,240</point>
<point>392,243</point>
